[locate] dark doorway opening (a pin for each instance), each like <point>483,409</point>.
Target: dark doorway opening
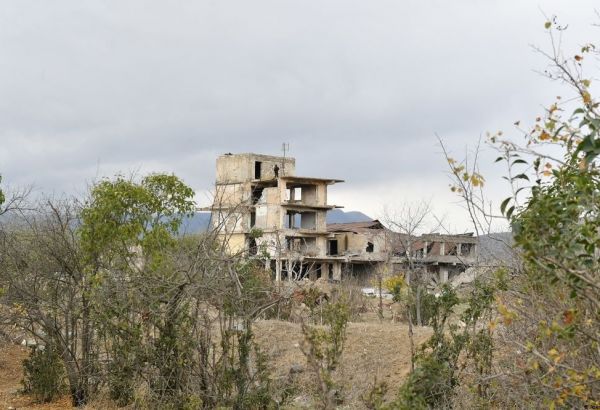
<point>257,169</point>
<point>333,247</point>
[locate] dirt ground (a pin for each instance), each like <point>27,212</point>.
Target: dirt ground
<point>11,357</point>
<point>380,350</point>
<point>373,349</point>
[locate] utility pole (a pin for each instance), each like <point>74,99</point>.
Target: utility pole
<point>285,147</point>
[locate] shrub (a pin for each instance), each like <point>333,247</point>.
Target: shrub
<point>43,374</point>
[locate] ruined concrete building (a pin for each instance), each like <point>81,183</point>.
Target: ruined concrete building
<point>262,209</point>
<point>367,245</point>
<point>261,206</point>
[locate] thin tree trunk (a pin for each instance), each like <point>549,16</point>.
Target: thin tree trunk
<point>418,306</point>
<point>379,283</point>
<point>411,339</point>
<point>86,362</point>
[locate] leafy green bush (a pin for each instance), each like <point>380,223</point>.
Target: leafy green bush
<point>43,374</point>
<point>433,382</point>
<point>323,347</point>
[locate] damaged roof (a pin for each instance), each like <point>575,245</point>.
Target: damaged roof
<point>355,227</point>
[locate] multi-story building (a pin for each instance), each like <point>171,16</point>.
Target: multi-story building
<point>261,207</point>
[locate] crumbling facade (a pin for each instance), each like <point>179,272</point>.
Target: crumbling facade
<point>262,209</point>
<point>367,245</point>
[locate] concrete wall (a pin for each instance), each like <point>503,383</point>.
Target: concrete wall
<point>322,245</point>
<point>236,243</point>
<point>241,167</point>
<point>322,194</point>
<point>309,195</point>
<point>232,194</point>
<point>321,222</point>
<point>230,222</point>
<point>308,220</point>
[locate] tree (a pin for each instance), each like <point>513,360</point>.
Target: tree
<point>128,229</point>
<point>15,201</point>
<point>549,314</point>
<point>2,197</point>
<point>44,282</point>
<point>323,348</point>
<point>130,305</point>
<point>406,223</point>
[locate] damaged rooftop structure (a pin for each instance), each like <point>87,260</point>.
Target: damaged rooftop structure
<point>263,210</point>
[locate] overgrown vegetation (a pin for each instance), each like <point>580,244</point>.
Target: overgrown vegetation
<point>323,348</point>
<point>546,325</point>
<point>43,374</point>
<point>438,364</point>
<point>126,307</point>
<point>131,308</point>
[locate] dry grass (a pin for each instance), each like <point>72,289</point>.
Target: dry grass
<point>373,349</point>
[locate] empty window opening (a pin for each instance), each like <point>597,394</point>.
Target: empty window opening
<point>257,169</point>
<point>293,244</point>
<point>333,247</point>
<point>252,247</point>
<point>451,249</point>
<point>370,247</point>
<point>252,219</point>
<point>466,249</point>
<point>293,194</point>
<point>435,249</point>
<point>330,274</point>
<point>256,194</point>
<point>304,271</point>
<point>300,220</point>
<point>399,251</point>
<point>429,248</point>
<point>292,220</point>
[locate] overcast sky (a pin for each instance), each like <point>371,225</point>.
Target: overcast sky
<point>358,89</point>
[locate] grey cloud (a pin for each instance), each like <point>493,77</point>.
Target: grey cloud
<point>357,88</point>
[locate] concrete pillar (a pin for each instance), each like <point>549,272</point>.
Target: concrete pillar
<point>337,271</point>
<point>442,248</point>
<point>312,273</point>
<point>443,275</point>
<point>325,270</point>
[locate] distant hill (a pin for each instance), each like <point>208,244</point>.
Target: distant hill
<point>337,216</point>
<point>199,222</point>
<point>497,248</point>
